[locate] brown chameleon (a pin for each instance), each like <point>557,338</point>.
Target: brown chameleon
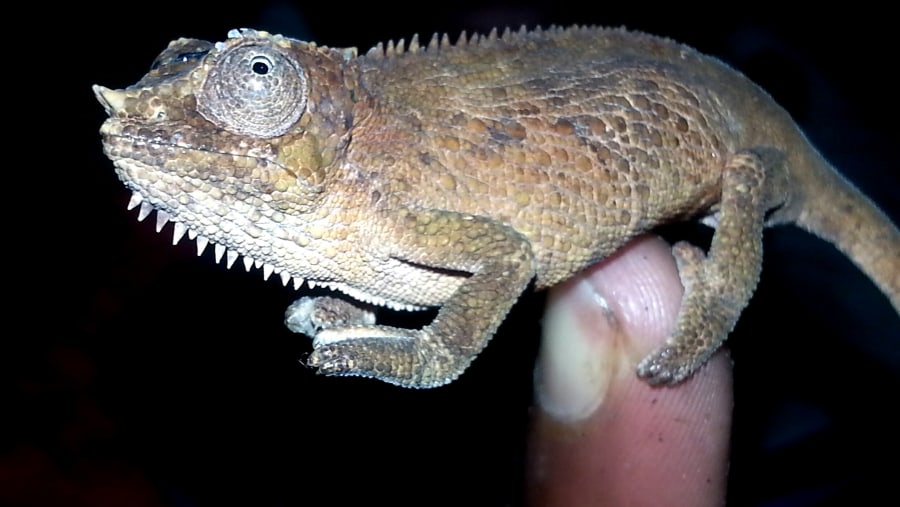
<point>451,176</point>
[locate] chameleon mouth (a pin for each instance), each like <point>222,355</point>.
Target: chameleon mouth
<point>124,140</point>
<point>220,251</point>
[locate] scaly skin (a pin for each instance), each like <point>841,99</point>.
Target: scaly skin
<point>454,175</point>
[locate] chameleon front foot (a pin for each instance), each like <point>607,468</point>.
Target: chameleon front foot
<point>406,361</point>
<point>382,359</point>
<point>347,343</point>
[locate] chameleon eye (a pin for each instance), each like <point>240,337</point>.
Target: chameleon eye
<point>260,65</point>
<point>254,90</point>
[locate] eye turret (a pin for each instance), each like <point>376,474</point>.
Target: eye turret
<point>254,90</point>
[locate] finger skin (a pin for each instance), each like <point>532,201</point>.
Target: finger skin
<point>600,435</point>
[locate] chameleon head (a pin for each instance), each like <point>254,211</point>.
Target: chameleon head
<point>232,142</point>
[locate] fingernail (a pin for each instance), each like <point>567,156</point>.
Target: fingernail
<point>575,365</point>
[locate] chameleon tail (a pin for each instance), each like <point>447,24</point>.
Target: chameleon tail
<point>833,209</point>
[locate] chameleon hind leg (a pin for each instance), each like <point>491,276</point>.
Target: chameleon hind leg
<point>719,284</point>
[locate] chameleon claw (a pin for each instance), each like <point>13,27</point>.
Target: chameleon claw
<point>330,361</point>
<point>666,367</point>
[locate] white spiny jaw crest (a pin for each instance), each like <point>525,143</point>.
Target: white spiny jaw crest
<point>220,250</point>
<point>231,256</point>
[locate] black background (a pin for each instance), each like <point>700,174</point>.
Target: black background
<point>141,375</point>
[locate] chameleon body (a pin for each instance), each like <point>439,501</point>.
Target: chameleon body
<point>453,175</point>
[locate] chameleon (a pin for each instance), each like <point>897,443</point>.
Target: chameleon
<point>454,176</point>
